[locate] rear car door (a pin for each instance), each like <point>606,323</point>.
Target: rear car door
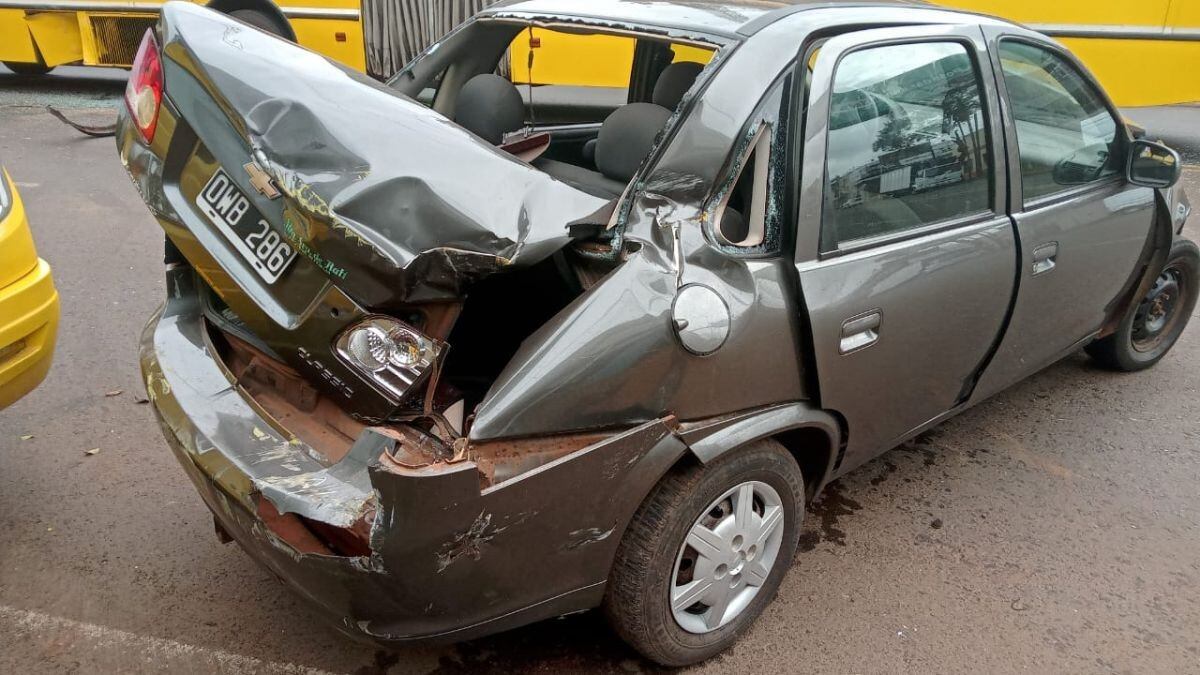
<point>1082,227</point>
<point>905,254</point>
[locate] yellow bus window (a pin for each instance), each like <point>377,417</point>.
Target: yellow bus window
<point>582,60</point>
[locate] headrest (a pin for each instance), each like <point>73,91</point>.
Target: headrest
<point>626,137</point>
<point>673,83</point>
<point>490,106</point>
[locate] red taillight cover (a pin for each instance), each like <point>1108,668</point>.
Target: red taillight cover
<point>143,93</point>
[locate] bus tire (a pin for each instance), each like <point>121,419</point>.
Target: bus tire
<point>28,68</point>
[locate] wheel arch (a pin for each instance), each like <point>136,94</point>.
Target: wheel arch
<point>1154,255</point>
<point>265,6</point>
<point>813,437</point>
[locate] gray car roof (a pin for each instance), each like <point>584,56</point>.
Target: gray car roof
<point>719,17</point>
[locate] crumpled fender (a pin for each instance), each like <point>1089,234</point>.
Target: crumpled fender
<point>1171,209</point>
<point>1175,206</point>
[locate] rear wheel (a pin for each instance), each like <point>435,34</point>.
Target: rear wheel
<point>1155,323</point>
<point>28,68</point>
<point>706,553</point>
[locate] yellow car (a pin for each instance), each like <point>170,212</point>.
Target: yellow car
<point>28,302</point>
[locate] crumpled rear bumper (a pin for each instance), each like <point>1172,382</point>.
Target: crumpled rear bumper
<point>448,559</point>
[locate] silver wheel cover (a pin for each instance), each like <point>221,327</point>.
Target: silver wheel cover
<point>726,557</point>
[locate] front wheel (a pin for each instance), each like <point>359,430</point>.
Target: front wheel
<point>705,554</point>
<point>1153,325</point>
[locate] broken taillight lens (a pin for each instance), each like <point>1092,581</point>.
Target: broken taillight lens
<point>143,93</point>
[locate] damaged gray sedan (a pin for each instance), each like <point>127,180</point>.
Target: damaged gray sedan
<point>452,354</point>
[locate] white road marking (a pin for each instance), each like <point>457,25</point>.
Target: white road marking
<point>35,628</point>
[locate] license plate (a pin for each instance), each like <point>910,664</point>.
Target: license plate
<point>229,209</point>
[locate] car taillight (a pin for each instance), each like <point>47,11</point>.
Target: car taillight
<point>143,93</point>
<point>392,354</point>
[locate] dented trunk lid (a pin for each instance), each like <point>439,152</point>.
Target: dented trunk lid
<point>401,204</point>
<point>386,203</point>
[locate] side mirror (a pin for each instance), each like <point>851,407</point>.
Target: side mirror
<point>1153,165</point>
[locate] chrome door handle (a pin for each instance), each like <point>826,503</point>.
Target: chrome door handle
<point>860,332</point>
<point>1045,257</point>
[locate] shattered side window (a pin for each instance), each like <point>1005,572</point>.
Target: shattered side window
<point>746,210</point>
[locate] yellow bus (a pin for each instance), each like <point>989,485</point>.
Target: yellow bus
<point>1144,52</point>
<point>37,35</point>
<point>375,36</point>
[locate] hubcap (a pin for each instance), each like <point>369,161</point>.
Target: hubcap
<point>727,556</point>
<point>1156,314</point>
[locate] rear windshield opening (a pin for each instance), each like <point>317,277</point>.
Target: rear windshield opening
<point>502,310</point>
<point>582,105</point>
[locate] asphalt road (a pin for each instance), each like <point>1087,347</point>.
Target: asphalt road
<point>1051,529</point>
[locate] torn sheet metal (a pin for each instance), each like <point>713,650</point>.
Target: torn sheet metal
<point>406,204</point>
<point>339,495</point>
<point>578,372</point>
<point>448,556</point>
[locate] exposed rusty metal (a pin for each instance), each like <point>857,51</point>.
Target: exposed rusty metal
<point>438,318</point>
<point>500,460</point>
<point>291,401</point>
<point>287,526</point>
<point>412,449</point>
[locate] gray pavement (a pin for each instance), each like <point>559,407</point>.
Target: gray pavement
<point>1052,529</point>
<point>64,87</point>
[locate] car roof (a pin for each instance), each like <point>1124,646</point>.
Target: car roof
<point>718,17</point>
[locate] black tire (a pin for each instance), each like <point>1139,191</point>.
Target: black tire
<point>28,68</point>
<point>1134,346</point>
<point>261,21</point>
<point>637,597</point>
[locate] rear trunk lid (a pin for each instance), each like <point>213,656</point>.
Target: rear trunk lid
<point>401,204</point>
<point>303,180</point>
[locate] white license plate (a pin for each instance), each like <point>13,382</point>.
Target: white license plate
<point>233,214</point>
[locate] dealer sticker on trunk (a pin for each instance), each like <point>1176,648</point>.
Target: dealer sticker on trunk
<point>230,210</point>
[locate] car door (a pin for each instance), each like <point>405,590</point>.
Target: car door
<point>905,254</point>
<point>1082,228</point>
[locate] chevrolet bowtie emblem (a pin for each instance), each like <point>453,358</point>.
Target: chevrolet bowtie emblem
<point>261,181</point>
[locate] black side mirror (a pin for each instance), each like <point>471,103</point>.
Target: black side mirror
<point>1153,165</point>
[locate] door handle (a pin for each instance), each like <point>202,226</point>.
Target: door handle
<point>860,332</point>
<point>1045,257</point>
